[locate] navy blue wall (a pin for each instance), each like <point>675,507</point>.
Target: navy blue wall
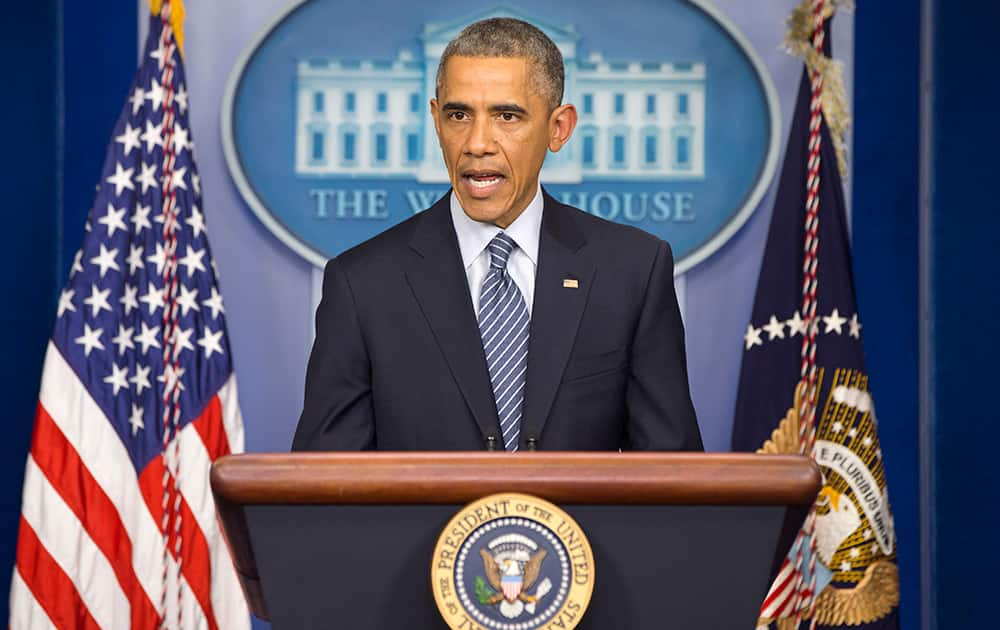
<point>886,254</point>
<point>961,235</point>
<point>100,60</point>
<point>965,306</point>
<point>29,171</point>
<point>66,70</point>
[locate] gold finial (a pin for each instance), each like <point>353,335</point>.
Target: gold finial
<point>176,18</point>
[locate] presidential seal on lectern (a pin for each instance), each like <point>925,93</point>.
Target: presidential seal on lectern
<point>512,562</point>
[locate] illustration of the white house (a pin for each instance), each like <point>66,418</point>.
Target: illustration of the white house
<point>369,118</point>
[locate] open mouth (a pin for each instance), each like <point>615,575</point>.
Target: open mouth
<point>482,181</point>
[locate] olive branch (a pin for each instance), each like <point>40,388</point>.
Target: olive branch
<point>484,593</point>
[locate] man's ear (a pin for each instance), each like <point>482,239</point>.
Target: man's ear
<point>434,115</point>
<point>562,122</point>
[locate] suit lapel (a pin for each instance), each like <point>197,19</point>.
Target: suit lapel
<point>440,285</point>
<point>555,313</point>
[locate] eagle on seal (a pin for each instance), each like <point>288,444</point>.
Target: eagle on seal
<point>509,579</point>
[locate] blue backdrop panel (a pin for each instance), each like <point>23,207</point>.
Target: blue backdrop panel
<point>66,70</point>
<point>965,304</point>
<point>885,247</point>
<point>29,162</point>
<point>100,59</point>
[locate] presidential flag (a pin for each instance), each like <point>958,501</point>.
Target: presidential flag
<point>118,526</point>
<point>803,386</point>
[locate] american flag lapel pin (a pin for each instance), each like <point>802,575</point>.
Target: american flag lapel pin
<point>571,283</point>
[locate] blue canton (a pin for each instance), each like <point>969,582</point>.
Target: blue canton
<point>110,321</point>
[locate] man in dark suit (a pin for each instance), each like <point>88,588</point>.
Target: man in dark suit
<point>500,318</point>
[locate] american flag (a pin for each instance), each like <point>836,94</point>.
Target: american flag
<point>118,526</point>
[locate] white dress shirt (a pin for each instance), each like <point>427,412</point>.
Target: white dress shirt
<point>473,237</point>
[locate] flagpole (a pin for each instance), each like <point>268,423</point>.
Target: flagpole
<point>171,520</point>
<point>807,410</point>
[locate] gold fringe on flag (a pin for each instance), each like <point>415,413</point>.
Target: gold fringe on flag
<point>176,19</point>
<point>798,42</point>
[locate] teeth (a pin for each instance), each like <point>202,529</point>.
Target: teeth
<point>483,183</point>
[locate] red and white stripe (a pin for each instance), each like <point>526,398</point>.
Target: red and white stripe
<point>90,547</point>
<point>778,599</point>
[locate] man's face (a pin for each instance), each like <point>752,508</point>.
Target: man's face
<point>494,128</point>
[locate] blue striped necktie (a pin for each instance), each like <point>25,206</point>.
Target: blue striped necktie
<point>503,324</point>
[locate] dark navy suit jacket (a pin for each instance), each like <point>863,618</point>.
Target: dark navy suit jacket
<point>398,362</point>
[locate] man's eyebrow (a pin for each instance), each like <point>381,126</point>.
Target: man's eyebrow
<point>507,107</point>
<point>457,106</point>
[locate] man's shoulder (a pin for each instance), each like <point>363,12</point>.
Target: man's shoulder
<point>604,236</point>
<point>389,248</point>
<point>396,237</point>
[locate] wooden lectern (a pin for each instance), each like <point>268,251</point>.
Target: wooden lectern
<point>323,540</point>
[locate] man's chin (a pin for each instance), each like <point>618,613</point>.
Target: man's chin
<point>483,211</point>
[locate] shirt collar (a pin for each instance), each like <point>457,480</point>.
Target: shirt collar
<point>474,236</point>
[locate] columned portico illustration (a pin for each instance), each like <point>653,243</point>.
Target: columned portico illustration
<point>639,119</point>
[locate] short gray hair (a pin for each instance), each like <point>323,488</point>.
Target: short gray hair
<point>508,37</point>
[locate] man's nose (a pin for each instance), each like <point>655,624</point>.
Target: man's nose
<point>481,141</point>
